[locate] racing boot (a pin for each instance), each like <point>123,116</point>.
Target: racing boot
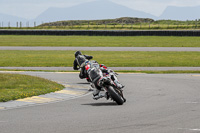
<point>97,94</point>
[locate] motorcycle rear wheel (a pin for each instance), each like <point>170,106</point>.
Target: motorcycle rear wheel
<point>115,96</point>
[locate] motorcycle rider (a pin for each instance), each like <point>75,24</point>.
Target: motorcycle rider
<point>79,63</point>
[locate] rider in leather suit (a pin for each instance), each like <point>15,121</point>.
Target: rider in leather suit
<point>79,63</point>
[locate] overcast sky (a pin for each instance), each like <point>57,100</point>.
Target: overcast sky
<point>32,8</point>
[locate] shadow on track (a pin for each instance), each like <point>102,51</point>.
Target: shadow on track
<point>83,83</point>
<point>101,104</point>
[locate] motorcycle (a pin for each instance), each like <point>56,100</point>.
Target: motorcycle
<point>106,83</point>
<point>112,91</point>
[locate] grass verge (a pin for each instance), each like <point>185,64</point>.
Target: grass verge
<point>9,58</point>
<point>16,86</point>
<point>99,41</point>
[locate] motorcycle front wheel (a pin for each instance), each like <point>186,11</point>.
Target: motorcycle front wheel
<point>115,96</point>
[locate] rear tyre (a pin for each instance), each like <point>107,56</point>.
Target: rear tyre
<point>115,96</point>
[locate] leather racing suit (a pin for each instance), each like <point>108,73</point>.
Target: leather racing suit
<point>79,63</point>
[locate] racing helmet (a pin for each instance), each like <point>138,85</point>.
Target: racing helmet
<point>77,53</point>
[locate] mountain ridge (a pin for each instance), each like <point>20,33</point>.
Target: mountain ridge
<point>7,17</point>
<point>91,11</point>
<point>102,9</point>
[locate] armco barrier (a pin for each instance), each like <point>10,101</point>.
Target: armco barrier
<point>104,32</point>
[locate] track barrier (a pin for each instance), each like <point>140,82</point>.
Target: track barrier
<point>103,32</point>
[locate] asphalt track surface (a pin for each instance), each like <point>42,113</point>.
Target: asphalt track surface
<point>156,103</point>
<point>104,48</point>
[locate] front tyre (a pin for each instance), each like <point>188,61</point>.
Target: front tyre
<point>115,96</point>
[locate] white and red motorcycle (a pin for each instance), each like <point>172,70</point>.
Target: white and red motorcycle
<point>105,82</point>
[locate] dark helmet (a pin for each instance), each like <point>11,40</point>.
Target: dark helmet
<point>77,53</point>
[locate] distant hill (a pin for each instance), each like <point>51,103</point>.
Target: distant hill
<point>181,13</point>
<point>123,20</point>
<point>101,9</point>
<point>10,19</point>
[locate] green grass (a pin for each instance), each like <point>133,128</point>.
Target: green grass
<point>16,86</point>
<point>142,26</point>
<point>109,58</point>
<point>124,23</point>
<point>152,26</point>
<point>99,41</point>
